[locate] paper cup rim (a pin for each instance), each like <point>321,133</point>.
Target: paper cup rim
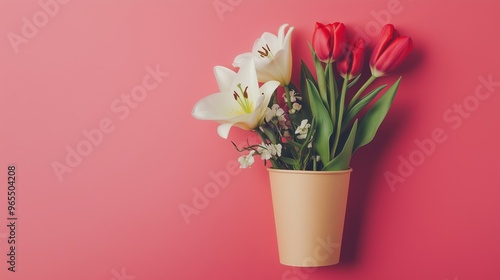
<point>308,172</point>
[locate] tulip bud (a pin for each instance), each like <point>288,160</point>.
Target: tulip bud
<point>328,41</point>
<point>390,51</point>
<point>351,64</point>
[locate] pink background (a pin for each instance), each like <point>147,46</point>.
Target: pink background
<point>116,214</point>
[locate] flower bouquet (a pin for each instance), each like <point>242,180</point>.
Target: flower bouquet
<point>309,131</point>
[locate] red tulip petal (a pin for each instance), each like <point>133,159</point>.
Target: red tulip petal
<point>394,55</point>
<point>321,42</point>
<point>339,40</point>
<point>387,34</point>
<point>358,57</point>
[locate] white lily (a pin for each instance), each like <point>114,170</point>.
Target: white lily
<point>240,101</point>
<point>272,55</point>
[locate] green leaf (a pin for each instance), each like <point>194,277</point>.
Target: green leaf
<point>276,164</point>
<point>305,74</point>
<point>353,82</point>
<point>294,144</point>
<point>342,160</point>
<point>324,126</point>
<point>286,160</point>
<point>320,75</point>
<point>371,121</point>
<point>269,134</point>
<point>360,105</point>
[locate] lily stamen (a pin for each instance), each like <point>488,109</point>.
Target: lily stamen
<point>245,93</point>
<point>267,52</point>
<point>244,103</point>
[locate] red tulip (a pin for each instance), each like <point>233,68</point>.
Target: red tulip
<point>328,41</point>
<point>390,51</point>
<point>351,64</point>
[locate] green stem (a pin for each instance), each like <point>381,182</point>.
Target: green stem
<point>341,113</point>
<point>355,97</point>
<point>333,92</point>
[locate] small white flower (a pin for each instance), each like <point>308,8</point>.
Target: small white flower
<point>302,129</point>
<point>275,150</point>
<point>267,151</point>
<point>310,145</point>
<point>293,96</point>
<point>295,108</point>
<point>264,152</point>
<point>246,161</point>
<point>275,111</point>
<point>278,150</point>
<point>283,124</point>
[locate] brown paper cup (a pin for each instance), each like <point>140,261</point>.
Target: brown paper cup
<point>309,210</point>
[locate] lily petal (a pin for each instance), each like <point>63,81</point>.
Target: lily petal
<point>267,40</point>
<point>284,65</point>
<point>266,54</point>
<point>267,90</point>
<point>242,58</point>
<point>286,42</point>
<point>247,121</point>
<point>243,105</point>
<point>263,75</point>
<point>217,106</point>
<point>223,129</point>
<point>247,77</point>
<point>281,34</point>
<point>225,77</point>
